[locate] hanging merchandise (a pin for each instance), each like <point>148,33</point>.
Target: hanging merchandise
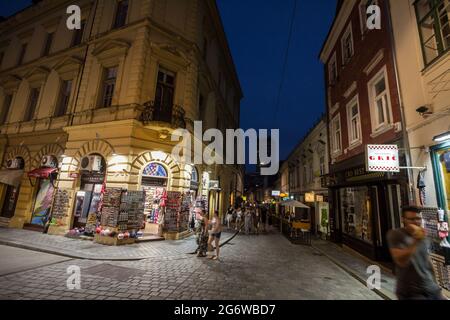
<point>172,210</point>
<point>60,207</point>
<point>422,187</point>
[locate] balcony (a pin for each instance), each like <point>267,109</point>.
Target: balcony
<point>173,115</point>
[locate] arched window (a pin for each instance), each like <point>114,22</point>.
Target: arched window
<point>155,170</point>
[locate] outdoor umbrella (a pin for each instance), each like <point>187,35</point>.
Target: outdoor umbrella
<point>294,204</point>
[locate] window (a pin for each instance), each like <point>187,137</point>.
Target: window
<point>48,44</point>
<point>332,70</point>
<point>23,50</point>
<point>322,165</point>
<point>109,84</point>
<point>121,14</point>
<point>2,55</point>
<point>78,34</point>
<point>64,97</point>
<point>380,101</point>
<point>165,89</point>
<point>347,45</point>
<point>305,176</point>
<point>336,139</point>
<point>32,104</point>
<point>363,7</point>
<point>433,17</point>
<point>311,173</point>
<point>5,109</point>
<point>354,122</point>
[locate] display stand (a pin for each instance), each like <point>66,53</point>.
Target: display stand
<point>122,216</point>
<point>60,211</point>
<point>440,256</point>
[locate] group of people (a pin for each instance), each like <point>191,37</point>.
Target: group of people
<point>208,232</point>
<point>253,218</point>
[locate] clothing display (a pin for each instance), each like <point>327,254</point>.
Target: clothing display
<point>173,207</point>
<point>152,203</point>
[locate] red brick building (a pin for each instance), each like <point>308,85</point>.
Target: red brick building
<point>362,108</point>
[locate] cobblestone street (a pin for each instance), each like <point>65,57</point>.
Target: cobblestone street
<point>252,267</point>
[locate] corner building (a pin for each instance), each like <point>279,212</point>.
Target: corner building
<point>99,104</point>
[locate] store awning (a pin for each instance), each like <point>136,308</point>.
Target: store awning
<point>294,204</point>
<point>41,173</point>
<point>11,177</point>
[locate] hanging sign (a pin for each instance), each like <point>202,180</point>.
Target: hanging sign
<point>309,197</point>
<point>382,158</point>
<point>276,193</point>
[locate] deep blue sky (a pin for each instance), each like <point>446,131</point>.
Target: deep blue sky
<point>257,31</point>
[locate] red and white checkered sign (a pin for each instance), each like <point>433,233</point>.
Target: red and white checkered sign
<point>382,158</point>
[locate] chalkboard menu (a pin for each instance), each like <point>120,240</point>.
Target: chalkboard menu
<point>61,203</point>
<point>173,206</point>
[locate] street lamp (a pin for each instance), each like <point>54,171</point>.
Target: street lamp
<point>442,137</point>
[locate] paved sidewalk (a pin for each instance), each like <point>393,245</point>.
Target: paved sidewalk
<point>357,266</point>
<point>85,249</point>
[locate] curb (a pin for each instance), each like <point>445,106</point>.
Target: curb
<point>72,256</point>
<point>384,294</point>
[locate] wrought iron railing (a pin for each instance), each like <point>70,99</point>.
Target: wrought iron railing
<point>173,114</point>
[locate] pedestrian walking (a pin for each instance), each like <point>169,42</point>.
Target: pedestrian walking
<point>263,218</point>
<point>257,220</point>
<point>214,236</point>
<point>239,215</point>
<point>203,235</point>
<point>229,216</point>
<point>247,221</point>
<point>409,250</point>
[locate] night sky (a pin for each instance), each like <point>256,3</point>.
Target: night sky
<point>257,31</point>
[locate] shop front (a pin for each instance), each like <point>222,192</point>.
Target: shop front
<point>44,185</point>
<point>92,185</point>
<point>10,180</point>
<point>441,168</point>
<point>364,206</point>
<point>154,182</point>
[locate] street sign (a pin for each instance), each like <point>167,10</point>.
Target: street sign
<point>382,158</point>
<point>275,193</point>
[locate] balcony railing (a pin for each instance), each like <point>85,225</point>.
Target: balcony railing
<point>174,114</point>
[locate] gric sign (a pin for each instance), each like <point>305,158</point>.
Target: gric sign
<point>382,158</point>
<point>213,153</point>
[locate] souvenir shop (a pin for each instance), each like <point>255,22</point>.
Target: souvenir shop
<point>364,206</point>
<point>435,220</point>
<point>43,179</point>
<point>88,198</point>
<point>154,183</point>
<point>10,179</point>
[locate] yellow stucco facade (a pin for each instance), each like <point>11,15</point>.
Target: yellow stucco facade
<point>184,37</point>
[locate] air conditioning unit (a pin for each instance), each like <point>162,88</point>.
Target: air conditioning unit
<point>91,163</point>
<point>13,164</point>
<point>48,161</point>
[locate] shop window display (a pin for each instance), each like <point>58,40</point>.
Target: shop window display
<point>356,213</point>
<point>444,160</point>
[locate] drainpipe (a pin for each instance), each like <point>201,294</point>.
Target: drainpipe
<point>84,61</point>
<point>411,193</point>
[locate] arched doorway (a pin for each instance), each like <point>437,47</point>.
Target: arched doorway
<point>154,182</point>
<point>92,176</point>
